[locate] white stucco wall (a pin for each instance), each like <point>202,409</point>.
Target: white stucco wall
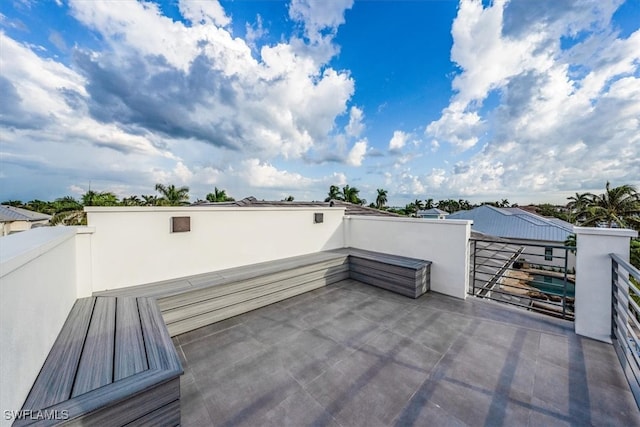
<point>443,242</point>
<point>593,278</point>
<point>37,290</point>
<point>133,246</point>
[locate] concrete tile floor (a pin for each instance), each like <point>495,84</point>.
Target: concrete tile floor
<point>354,355</point>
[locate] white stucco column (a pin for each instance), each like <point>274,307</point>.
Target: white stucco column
<point>593,278</point>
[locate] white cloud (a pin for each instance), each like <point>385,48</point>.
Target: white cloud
<point>255,32</point>
<point>204,12</point>
<point>264,175</point>
<point>457,127</point>
<point>319,15</point>
<point>398,140</point>
<point>553,128</point>
<point>355,126</point>
<point>357,153</point>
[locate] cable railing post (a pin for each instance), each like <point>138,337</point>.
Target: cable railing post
<point>475,248</point>
<point>564,285</point>
<point>614,296</point>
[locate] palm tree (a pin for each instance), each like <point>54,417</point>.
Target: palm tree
<point>570,242</point>
<point>577,206</point>
<point>67,211</point>
<point>172,196</point>
<point>618,206</point>
<point>76,217</point>
<point>39,206</point>
<point>350,194</point>
<point>104,198</point>
<point>381,199</point>
<point>334,193</point>
<point>219,196</point>
<point>131,201</point>
<point>149,200</point>
<point>428,204</point>
<point>448,205</point>
<point>417,205</point>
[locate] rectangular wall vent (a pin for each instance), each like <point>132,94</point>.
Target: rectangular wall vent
<point>180,224</point>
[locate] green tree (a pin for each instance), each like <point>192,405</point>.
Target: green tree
<point>334,193</point>
<point>131,201</point>
<point>351,195</point>
<point>149,200</point>
<point>634,256</point>
<point>448,205</point>
<point>172,195</point>
<point>549,210</point>
<point>570,242</point>
<point>219,196</point>
<point>428,204</point>
<point>464,205</point>
<point>289,199</point>
<point>14,203</point>
<point>40,206</point>
<point>577,206</point>
<point>104,198</point>
<point>381,198</point>
<point>417,205</point>
<point>618,206</point>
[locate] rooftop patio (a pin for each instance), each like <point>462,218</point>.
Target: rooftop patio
<point>345,354</point>
<point>351,354</point>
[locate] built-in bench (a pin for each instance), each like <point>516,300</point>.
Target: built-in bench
<point>114,360</point>
<point>410,277</point>
<point>196,301</point>
<point>113,363</point>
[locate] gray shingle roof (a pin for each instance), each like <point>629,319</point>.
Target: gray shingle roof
<point>10,214</point>
<point>351,209</point>
<point>515,223</point>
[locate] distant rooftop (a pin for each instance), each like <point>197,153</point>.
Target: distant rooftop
<point>515,223</point>
<point>10,213</point>
<point>432,211</point>
<point>351,209</point>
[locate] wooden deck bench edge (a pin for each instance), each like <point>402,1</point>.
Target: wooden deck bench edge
<point>164,366</point>
<point>104,397</point>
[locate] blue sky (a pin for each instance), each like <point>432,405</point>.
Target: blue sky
<point>529,100</point>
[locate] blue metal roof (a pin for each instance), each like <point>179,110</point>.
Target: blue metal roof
<point>10,213</point>
<point>515,223</point>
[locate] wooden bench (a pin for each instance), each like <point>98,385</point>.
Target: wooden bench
<point>114,360</point>
<point>113,363</point>
<point>196,301</point>
<point>410,277</point>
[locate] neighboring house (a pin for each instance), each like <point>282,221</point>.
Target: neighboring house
<point>17,219</point>
<point>538,234</point>
<point>433,213</point>
<point>351,209</point>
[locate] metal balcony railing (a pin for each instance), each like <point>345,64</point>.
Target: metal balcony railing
<point>533,276</point>
<point>625,319</point>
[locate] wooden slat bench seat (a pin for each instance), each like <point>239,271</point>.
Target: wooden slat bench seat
<point>197,301</point>
<point>112,363</point>
<point>410,277</point>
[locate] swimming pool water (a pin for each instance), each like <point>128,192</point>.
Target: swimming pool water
<point>552,285</point>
